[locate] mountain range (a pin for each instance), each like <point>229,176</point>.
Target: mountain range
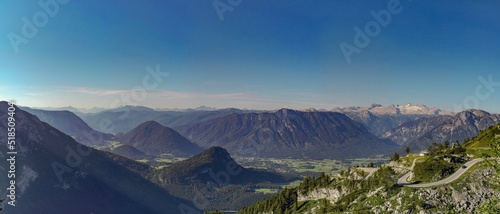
<point>82,179</point>
<point>379,119</point>
<point>57,173</point>
<point>126,118</point>
<point>288,133</point>
<point>298,134</point>
<point>462,126</point>
<point>54,173</point>
<point>408,109</point>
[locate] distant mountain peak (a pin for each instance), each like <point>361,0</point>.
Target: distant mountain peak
<point>474,111</point>
<point>153,138</point>
<point>133,108</point>
<point>285,110</point>
<point>72,125</point>
<point>204,108</point>
<point>472,114</point>
<point>310,110</point>
<point>213,159</point>
<point>216,149</point>
<point>65,108</point>
<point>394,109</point>
<point>215,153</point>
<point>150,123</point>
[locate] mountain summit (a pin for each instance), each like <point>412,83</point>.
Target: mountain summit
<point>214,172</point>
<point>155,139</point>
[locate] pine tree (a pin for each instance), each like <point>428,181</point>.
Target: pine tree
<point>446,144</point>
<point>395,157</point>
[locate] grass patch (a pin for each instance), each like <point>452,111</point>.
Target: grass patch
<point>480,145</point>
<point>292,184</point>
<point>266,191</point>
<point>168,160</point>
<point>108,145</point>
<point>307,165</point>
<point>481,152</point>
<point>375,200</point>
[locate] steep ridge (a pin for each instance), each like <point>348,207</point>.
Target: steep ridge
<point>70,124</point>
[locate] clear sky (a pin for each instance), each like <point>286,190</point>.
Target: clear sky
<point>262,55</point>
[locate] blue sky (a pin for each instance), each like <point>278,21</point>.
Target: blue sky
<point>263,55</point>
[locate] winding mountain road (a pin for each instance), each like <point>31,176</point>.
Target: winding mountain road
<point>403,180</point>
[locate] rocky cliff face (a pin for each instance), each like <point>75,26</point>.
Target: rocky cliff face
<point>333,195</point>
<point>411,131</point>
<point>379,119</point>
<point>463,125</point>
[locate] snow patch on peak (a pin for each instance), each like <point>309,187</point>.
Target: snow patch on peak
<point>309,110</point>
<point>407,109</point>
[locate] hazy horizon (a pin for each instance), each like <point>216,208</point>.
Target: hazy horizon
<point>204,107</point>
